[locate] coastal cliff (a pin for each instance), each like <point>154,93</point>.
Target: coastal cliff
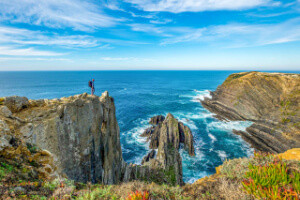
<point>270,100</point>
<point>81,137</point>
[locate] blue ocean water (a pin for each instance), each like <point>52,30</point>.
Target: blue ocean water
<point>140,95</point>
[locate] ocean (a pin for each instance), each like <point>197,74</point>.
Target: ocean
<point>138,96</point>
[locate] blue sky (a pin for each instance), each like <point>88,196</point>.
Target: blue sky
<point>149,34</point>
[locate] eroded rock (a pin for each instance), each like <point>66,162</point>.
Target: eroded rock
<point>4,111</point>
<point>16,103</point>
<point>270,100</point>
<point>176,131</point>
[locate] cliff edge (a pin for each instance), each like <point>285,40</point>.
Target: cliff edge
<point>81,137</point>
<point>270,100</point>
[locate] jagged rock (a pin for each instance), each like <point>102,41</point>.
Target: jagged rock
<point>270,100</point>
<point>186,137</point>
<point>177,133</point>
<point>156,119</point>
<point>170,159</point>
<point>4,111</point>
<point>148,132</point>
<point>15,103</point>
<point>149,156</point>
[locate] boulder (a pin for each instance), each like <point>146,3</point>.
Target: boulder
<point>4,111</point>
<point>16,103</point>
<point>4,142</point>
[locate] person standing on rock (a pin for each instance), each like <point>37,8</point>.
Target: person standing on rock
<point>92,86</point>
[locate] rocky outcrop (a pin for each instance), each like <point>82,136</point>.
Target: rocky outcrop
<point>81,132</point>
<point>270,100</point>
<point>38,161</point>
<point>146,158</point>
<point>157,119</point>
<point>175,131</point>
<point>81,136</point>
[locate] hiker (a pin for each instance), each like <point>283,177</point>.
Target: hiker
<point>92,86</point>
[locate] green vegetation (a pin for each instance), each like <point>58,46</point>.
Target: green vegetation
<point>272,181</point>
<point>171,176</point>
<point>32,148</point>
<point>265,176</point>
<point>286,113</point>
<point>101,192</point>
<point>5,169</point>
<point>1,101</point>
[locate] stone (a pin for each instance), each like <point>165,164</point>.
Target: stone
<point>4,142</point>
<point>16,103</point>
<point>19,190</point>
<point>149,156</point>
<point>4,111</point>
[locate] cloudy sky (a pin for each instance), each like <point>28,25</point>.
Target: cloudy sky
<point>149,34</point>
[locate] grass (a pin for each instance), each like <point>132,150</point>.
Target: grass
<point>5,169</point>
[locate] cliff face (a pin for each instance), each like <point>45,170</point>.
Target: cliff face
<point>270,100</point>
<point>81,135</point>
<point>81,132</point>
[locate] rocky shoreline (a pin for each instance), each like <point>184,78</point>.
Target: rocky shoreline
<point>78,137</point>
<point>270,100</point>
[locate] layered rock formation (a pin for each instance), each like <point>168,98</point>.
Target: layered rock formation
<point>175,132</point>
<point>270,100</point>
<point>81,135</point>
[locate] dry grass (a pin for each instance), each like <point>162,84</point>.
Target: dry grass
<point>231,190</point>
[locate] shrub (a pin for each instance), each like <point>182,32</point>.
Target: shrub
<point>272,181</point>
<point>138,196</point>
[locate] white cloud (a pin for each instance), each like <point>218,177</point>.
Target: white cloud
<point>146,28</point>
<point>193,36</point>
<point>124,59</point>
<point>10,51</point>
<point>3,59</point>
<point>115,59</point>
<point>177,6</point>
<point>164,21</point>
<point>242,35</point>
<point>20,36</point>
<point>76,14</point>
<point>142,16</point>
